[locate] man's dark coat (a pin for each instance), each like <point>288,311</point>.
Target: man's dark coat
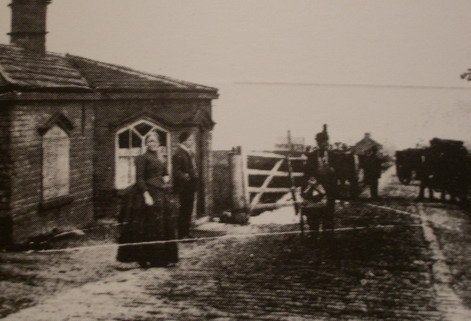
<point>184,172</point>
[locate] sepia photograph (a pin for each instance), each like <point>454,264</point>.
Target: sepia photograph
<point>229,160</point>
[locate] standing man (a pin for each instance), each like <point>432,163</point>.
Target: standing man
<point>319,170</point>
<point>372,170</point>
<point>185,182</point>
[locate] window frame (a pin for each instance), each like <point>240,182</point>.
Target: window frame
<point>62,123</point>
<point>131,126</point>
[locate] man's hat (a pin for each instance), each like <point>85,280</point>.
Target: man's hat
<point>323,136</point>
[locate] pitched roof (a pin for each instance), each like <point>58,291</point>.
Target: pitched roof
<point>22,69</point>
<point>105,76</point>
<point>365,144</point>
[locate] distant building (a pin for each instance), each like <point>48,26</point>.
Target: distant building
<point>70,128</point>
<point>365,144</point>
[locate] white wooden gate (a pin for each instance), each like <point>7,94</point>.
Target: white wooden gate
<point>261,180</point>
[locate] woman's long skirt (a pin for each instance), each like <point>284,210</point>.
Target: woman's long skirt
<point>142,223</point>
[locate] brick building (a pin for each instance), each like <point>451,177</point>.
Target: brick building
<point>70,128</point>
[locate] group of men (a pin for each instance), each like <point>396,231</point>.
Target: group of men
<point>320,188</point>
<point>319,191</point>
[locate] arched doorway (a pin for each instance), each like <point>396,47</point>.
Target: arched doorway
<point>130,143</point>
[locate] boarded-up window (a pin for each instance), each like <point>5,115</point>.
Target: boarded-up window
<point>56,167</point>
<point>130,143</point>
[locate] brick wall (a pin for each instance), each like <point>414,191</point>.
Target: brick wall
<point>5,218</point>
<point>4,157</point>
<point>26,158</point>
<point>114,115</point>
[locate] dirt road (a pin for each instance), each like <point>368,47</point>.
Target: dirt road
<point>387,262</point>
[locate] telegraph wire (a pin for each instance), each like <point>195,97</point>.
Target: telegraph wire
<point>346,85</point>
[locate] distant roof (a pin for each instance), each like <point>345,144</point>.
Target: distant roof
<point>367,141</point>
<point>21,69</point>
<point>365,144</point>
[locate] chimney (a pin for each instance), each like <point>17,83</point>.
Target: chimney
<point>28,24</point>
<point>367,135</point>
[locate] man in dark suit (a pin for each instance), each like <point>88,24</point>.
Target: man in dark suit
<point>372,170</point>
<point>185,181</point>
<point>319,169</point>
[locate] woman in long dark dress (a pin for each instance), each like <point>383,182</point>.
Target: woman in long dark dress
<point>149,213</point>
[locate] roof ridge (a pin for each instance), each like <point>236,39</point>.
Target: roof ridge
<point>367,139</point>
<point>145,75</point>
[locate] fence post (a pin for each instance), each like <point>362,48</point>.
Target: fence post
<point>238,192</point>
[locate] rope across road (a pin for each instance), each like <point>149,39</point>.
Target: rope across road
<point>394,210</point>
<point>236,236</point>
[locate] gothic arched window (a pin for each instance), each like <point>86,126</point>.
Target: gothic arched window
<point>130,143</point>
<point>55,163</point>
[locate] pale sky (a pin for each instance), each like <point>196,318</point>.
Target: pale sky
<point>319,54</point>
